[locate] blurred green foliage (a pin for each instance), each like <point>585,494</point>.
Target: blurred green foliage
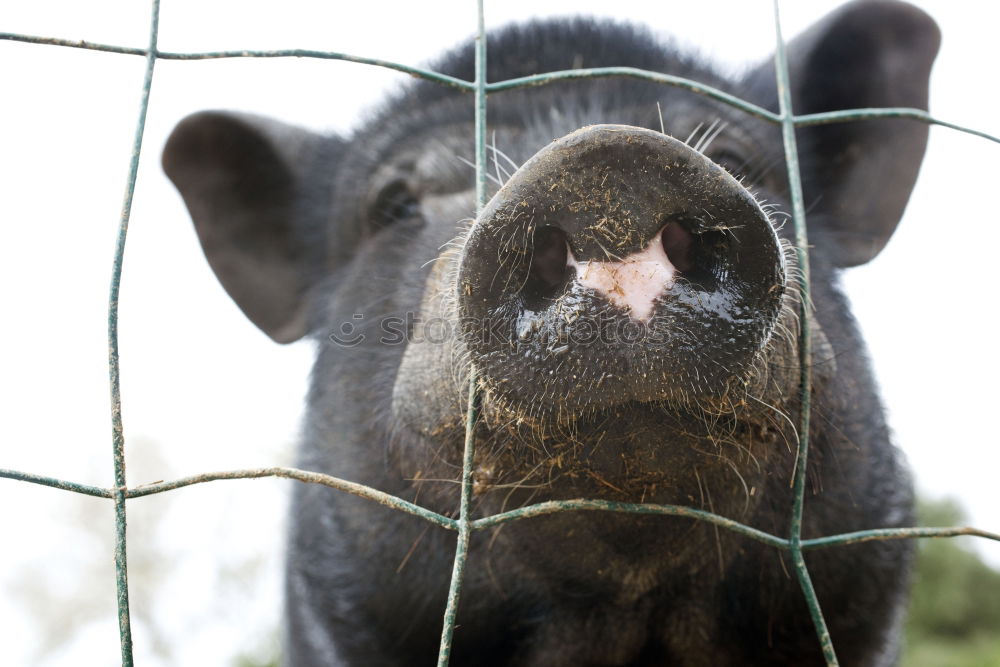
<point>267,653</point>
<point>257,661</point>
<point>954,616</point>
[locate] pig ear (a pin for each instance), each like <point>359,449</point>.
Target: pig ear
<point>244,179</point>
<point>857,176</point>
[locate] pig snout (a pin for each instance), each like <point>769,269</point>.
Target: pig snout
<point>618,264</point>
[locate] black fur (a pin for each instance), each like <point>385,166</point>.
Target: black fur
<point>366,585</point>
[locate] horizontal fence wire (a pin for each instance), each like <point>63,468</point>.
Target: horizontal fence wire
<point>465,525</point>
<point>824,118</point>
<point>526,512</point>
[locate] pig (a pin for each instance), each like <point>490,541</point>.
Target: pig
<point>628,302</point>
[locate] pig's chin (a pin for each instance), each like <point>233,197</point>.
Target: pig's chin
<point>564,400</point>
<point>573,407</point>
<point>545,418</point>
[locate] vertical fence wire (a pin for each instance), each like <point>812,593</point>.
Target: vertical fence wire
<point>805,342</point>
<point>472,413</point>
<point>117,428</point>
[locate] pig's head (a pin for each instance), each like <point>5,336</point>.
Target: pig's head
<point>625,298</point>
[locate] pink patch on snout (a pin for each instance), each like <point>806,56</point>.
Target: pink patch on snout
<point>633,283</point>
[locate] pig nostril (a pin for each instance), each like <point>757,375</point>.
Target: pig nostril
<point>700,257</point>
<point>677,243</point>
<point>549,271</point>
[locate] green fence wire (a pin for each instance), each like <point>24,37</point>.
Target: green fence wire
<point>464,525</point>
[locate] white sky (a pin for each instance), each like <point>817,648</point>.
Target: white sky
<point>204,390</point>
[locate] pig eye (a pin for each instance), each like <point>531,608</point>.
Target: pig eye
<point>394,203</point>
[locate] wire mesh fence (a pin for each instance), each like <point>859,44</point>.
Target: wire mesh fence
<point>464,525</point>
